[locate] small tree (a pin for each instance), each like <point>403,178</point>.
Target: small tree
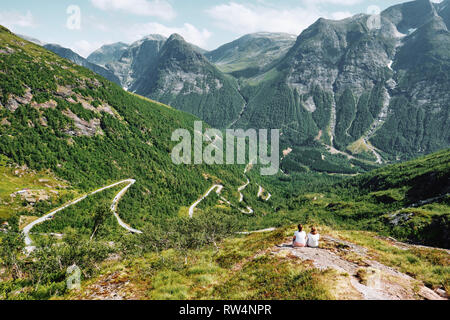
<point>100,215</point>
<point>11,248</point>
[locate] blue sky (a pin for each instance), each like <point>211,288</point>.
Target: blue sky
<point>206,23</point>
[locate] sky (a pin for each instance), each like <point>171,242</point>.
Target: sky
<point>86,25</point>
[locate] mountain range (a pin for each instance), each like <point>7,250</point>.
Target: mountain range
<point>353,93</point>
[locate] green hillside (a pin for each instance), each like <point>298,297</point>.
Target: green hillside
<point>354,220</point>
<point>88,131</point>
<point>409,201</point>
<point>419,179</point>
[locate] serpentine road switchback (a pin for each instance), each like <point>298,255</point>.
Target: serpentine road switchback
<point>130,182</point>
<point>115,203</point>
<point>219,188</point>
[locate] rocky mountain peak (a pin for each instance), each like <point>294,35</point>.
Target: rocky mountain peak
<point>176,37</point>
<point>113,46</point>
<point>181,52</point>
<point>108,53</point>
<point>410,15</point>
<point>155,37</point>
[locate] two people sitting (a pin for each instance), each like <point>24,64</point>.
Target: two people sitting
<point>302,240</point>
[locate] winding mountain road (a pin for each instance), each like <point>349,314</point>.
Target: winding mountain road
<point>219,188</point>
<point>26,231</point>
<point>261,192</point>
<point>195,204</point>
<point>242,188</point>
<point>130,182</point>
<point>115,205</point>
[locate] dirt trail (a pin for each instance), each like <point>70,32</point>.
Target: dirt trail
<point>367,279</point>
<point>373,150</point>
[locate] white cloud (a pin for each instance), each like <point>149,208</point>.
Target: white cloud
<point>11,19</point>
<point>248,18</point>
<point>189,32</point>
<point>339,15</point>
<point>84,48</point>
<point>155,8</point>
<point>96,23</point>
<point>101,27</point>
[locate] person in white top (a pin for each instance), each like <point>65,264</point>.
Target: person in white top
<point>299,240</point>
<point>313,238</point>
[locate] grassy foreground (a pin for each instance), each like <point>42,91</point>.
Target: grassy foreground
<point>249,268</point>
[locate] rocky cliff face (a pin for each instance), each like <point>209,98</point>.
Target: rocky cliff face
<point>136,59</point>
<point>108,53</point>
<point>378,81</point>
<point>443,10</point>
<point>183,78</point>
<point>420,115</point>
<point>131,62</point>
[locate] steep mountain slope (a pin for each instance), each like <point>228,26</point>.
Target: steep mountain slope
<point>420,113</point>
<point>108,53</point>
<point>381,93</point>
<point>79,60</point>
<point>186,80</point>
<point>252,53</point>
<point>130,62</point>
<point>410,15</point>
<point>443,10</point>
<point>417,180</point>
<point>136,59</point>
<point>86,130</point>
